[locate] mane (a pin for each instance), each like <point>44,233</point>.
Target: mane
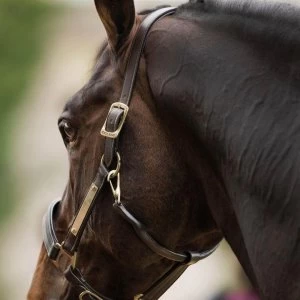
<point>150,10</point>
<point>274,23</point>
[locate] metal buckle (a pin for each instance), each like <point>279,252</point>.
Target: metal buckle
<point>64,258</point>
<point>87,292</point>
<point>115,133</point>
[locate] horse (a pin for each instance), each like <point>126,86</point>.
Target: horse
<point>209,149</point>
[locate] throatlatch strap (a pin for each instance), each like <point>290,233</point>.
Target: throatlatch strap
<point>147,239</point>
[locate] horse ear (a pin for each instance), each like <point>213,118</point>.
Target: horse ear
<point>118,18</point>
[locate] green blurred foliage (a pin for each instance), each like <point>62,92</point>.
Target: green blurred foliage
<point>22,30</point>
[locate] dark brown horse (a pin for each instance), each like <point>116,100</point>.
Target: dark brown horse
<point>210,148</point>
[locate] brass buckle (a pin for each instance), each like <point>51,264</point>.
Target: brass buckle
<point>115,133</point>
<point>64,259</point>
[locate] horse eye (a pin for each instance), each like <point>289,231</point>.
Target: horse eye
<point>69,133</point>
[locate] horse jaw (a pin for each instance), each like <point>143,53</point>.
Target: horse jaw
<point>47,283</point>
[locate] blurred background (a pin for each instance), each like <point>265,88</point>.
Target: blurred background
<point>47,49</point>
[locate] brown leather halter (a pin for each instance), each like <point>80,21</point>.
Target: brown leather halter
<point>64,254</point>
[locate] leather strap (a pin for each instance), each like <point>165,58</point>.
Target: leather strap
<point>137,49</point>
<point>165,282</point>
<point>147,239</point>
<point>131,70</point>
<point>111,145</point>
<point>168,279</point>
<point>50,240</point>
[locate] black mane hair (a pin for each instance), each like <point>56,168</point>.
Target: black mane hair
<point>150,10</point>
<point>284,13</point>
<point>276,23</point>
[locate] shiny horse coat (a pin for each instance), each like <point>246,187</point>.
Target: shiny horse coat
<point>210,148</point>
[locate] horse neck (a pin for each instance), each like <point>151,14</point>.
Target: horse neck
<point>241,111</point>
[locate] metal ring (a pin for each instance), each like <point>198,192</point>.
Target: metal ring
<point>87,292</point>
<point>111,174</point>
<point>115,172</point>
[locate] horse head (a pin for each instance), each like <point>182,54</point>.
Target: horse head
<point>157,179</point>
